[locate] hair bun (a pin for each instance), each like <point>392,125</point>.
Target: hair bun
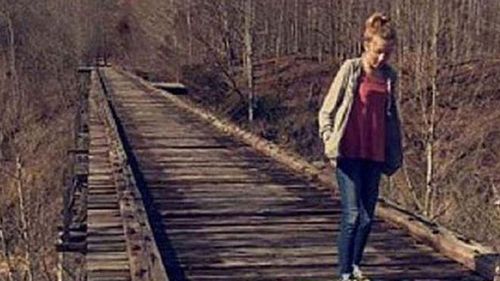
<point>379,24</point>
<point>377,20</point>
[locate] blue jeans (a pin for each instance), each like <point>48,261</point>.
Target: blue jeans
<point>358,182</point>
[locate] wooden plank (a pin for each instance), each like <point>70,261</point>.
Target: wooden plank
<point>331,261</point>
<point>196,272</point>
<point>109,275</point>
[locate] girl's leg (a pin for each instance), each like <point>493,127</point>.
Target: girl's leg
<point>349,181</point>
<point>371,172</point>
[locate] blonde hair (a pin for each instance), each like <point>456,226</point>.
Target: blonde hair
<point>380,25</point>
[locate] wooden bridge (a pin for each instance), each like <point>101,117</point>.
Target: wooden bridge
<point>166,195</point>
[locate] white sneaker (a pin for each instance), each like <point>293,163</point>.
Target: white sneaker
<point>357,274</point>
<point>344,277</point>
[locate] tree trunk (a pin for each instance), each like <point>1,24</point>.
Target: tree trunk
<point>333,30</point>
<point>227,39</point>
<point>175,40</point>
<point>248,57</point>
<point>190,32</point>
<point>319,37</point>
<point>13,69</point>
<point>309,35</point>
<point>296,29</point>
<point>23,217</point>
<point>5,251</point>
<point>16,110</point>
<point>456,31</point>
<point>281,28</point>
<point>430,185</point>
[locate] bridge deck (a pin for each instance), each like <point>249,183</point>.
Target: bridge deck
<point>222,211</point>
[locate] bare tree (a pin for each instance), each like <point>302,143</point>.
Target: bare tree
<point>249,57</point>
<point>430,139</point>
<point>25,227</point>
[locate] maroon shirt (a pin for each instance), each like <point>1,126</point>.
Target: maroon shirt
<point>364,137</point>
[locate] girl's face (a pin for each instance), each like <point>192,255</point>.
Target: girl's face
<point>377,51</point>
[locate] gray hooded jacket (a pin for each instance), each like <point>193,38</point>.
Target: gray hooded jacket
<point>337,106</point>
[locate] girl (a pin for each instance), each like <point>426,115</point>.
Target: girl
<point>360,129</point>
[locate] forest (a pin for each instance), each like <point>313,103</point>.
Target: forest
<point>266,65</point>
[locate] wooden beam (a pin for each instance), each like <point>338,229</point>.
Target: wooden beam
<point>174,88</point>
<point>473,255</point>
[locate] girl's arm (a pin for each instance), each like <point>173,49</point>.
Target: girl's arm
<point>332,101</point>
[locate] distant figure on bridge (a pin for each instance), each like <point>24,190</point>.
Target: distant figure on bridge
<point>360,128</point>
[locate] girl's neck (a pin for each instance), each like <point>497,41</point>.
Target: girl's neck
<point>370,70</point>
